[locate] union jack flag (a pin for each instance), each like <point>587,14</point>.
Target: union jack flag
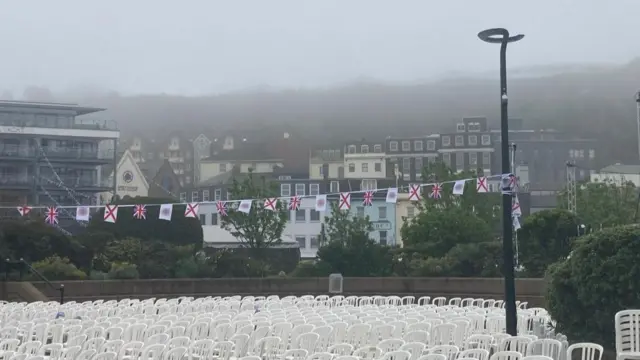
<point>368,198</point>
<point>52,216</point>
<point>140,212</point>
<point>221,206</point>
<point>436,191</point>
<point>294,203</point>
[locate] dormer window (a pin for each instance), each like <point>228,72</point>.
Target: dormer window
<point>460,127</point>
<point>474,126</point>
<point>377,148</point>
<point>351,149</point>
<point>364,149</point>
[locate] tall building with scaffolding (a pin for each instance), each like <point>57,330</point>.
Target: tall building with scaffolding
<point>51,155</point>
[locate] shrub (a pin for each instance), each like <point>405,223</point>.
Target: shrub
<point>598,279</point>
<point>123,271</point>
<point>57,268</point>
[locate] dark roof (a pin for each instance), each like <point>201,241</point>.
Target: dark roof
<point>80,110</point>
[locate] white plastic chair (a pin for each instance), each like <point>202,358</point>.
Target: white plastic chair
<point>506,355</point>
<point>588,351</point>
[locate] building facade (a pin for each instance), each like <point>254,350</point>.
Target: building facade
<point>407,157</point>
<point>381,214</point>
<point>469,148</point>
<point>49,155</point>
<point>365,160</point>
<point>176,149</point>
<point>129,180</point>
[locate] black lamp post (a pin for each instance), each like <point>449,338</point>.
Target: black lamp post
<point>501,36</point>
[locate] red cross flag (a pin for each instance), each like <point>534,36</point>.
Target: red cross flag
<point>270,204</point>
<point>481,185</point>
<point>414,192</point>
<point>345,201</point>
<point>191,210</point>
<point>110,213</point>
<point>24,210</point>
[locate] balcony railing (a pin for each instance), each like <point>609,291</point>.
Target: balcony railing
<point>15,180</point>
<point>84,124</point>
<point>70,153</point>
<point>17,151</point>
<point>73,182</point>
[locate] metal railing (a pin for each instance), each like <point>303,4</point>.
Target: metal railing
<point>23,264</point>
<point>84,124</point>
<point>70,153</point>
<point>17,151</point>
<point>15,180</point>
<point>50,180</point>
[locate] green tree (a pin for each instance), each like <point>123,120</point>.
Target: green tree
<point>57,268</point>
<point>604,204</point>
<point>261,228</point>
<point>359,256</point>
<point>544,238</point>
<point>342,227</point>
<point>600,278</point>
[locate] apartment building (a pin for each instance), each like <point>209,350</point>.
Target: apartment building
<point>470,147</point>
<point>49,154</point>
<point>406,157</point>
<point>326,163</point>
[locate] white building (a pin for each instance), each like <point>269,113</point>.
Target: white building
<point>330,161</point>
<point>365,161</point>
<point>129,179</point>
<point>618,174</point>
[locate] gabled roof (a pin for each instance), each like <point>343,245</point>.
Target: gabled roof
<point>127,156</point>
<point>621,169</point>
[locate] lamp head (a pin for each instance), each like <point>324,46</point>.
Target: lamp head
<point>498,36</point>
<point>638,97</point>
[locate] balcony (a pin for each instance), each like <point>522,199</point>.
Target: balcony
<point>65,123</point>
<point>8,152</point>
<point>65,154</point>
<point>15,181</point>
<point>83,183</point>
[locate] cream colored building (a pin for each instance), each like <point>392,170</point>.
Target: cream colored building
<point>129,179</point>
<point>405,209</point>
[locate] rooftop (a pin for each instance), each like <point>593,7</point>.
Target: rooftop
<point>80,110</point>
<point>621,169</point>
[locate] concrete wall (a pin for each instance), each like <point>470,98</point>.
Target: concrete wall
<point>531,290</point>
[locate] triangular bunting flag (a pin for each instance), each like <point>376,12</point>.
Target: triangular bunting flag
<point>436,191</point>
<point>345,201</point>
<point>392,195</point>
<point>481,185</point>
<point>191,211</point>
<point>51,216</point>
<point>166,210</point>
<point>83,213</point>
<point>414,192</point>
<point>270,204</point>
<point>321,203</point>
<point>24,210</point>
<point>110,213</point>
<point>458,187</point>
<point>245,206</point>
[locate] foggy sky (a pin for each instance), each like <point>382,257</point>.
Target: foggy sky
<point>210,46</point>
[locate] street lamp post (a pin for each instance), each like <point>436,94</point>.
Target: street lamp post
<point>501,36</point>
<point>638,119</point>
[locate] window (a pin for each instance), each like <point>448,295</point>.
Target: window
<point>446,141</point>
<point>228,194</point>
<point>446,159</point>
<point>313,242</point>
<point>203,219</point>
<point>581,154</point>
<point>383,237</point>
<point>301,216</point>
<point>417,145</point>
<point>460,161</point>
<point>214,219</point>
<point>364,149</point>
<point>183,197</point>
<point>486,160</point>
<point>377,167</point>
<point>194,196</point>
<point>406,165</point>
<point>360,211</point>
<point>473,158</point>
<point>285,190</point>
<point>460,128</point>
<point>223,168</point>
<point>321,170</point>
<point>188,179</point>
<point>314,216</point>
<point>334,187</point>
<point>393,146</point>
<point>571,154</point>
<point>300,189</point>
<point>205,195</point>
<point>406,146</point>
<point>592,154</point>
<point>302,241</point>
<point>284,177</point>
<point>365,167</point>
<point>314,189</point>
<point>411,212</point>
<point>382,212</point>
<point>473,140</point>
<point>351,149</point>
<point>486,139</point>
<point>431,145</point>
<point>352,168</point>
<point>368,184</point>
<point>418,165</point>
<point>459,140</point>
<point>217,195</point>
<point>377,148</point>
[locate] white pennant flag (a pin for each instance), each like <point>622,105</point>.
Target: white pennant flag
<point>321,203</point>
<point>82,213</point>
<point>165,212</point>
<point>458,187</point>
<point>516,223</point>
<point>392,195</point>
<point>245,206</point>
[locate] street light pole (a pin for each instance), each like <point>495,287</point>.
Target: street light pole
<point>501,36</point>
<point>638,120</point>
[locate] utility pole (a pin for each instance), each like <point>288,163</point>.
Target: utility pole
<point>571,187</point>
